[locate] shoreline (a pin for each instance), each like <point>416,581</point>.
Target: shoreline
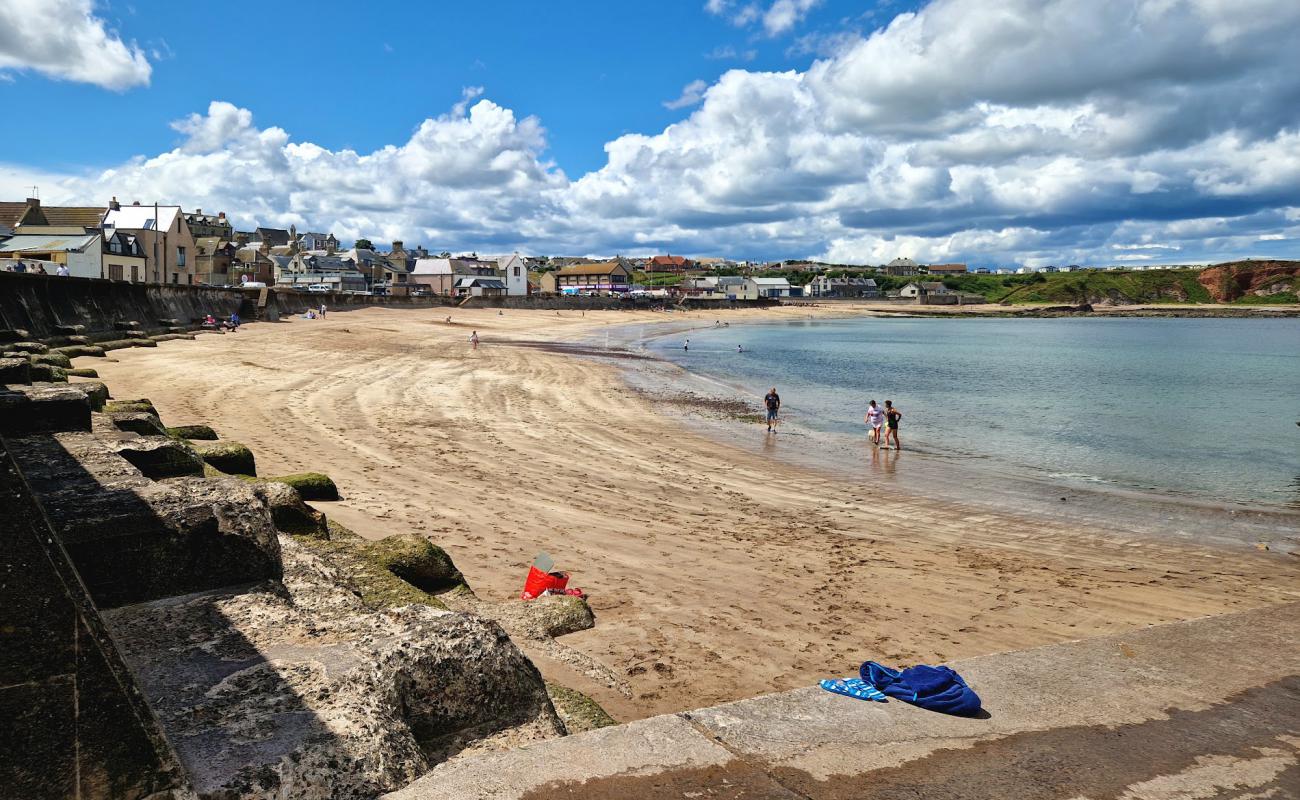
<point>715,573</point>
<point>1056,310</point>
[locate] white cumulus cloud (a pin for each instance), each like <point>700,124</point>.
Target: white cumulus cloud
<point>64,39</point>
<point>692,94</point>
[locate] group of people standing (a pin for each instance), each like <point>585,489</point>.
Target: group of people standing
<point>880,419</point>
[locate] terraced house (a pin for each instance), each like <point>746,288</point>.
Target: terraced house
<point>164,236</point>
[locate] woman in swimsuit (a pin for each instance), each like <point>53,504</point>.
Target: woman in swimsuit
<point>892,417</point>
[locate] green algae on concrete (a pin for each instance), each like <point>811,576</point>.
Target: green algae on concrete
<point>415,560</point>
<point>194,432</point>
<point>80,351</point>
<point>231,458</point>
<point>143,404</point>
<point>48,373</point>
<point>82,372</point>
<point>577,711</point>
<point>378,586</point>
<point>53,359</point>
<point>122,344</point>
<point>311,485</point>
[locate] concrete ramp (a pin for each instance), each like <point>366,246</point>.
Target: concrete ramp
<point>1208,709</point>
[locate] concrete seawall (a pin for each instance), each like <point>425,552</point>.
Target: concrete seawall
<point>41,304</point>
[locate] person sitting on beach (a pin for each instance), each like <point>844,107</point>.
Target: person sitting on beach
<point>875,418</point>
<point>234,320</point>
<point>209,320</point>
<point>892,417</point>
<point>773,403</point>
<point>449,319</point>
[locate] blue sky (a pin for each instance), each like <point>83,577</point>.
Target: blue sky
<point>1018,132</point>
<point>345,76</point>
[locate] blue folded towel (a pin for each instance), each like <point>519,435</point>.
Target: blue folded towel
<point>932,688</point>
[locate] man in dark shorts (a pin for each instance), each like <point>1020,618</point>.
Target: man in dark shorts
<point>892,418</point>
<point>773,403</point>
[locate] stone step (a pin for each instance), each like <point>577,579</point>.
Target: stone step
<point>70,330</point>
<point>126,326</point>
<point>1140,714</point>
<point>15,370</point>
<point>43,408</point>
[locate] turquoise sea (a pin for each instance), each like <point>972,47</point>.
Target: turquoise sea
<point>1200,408</point>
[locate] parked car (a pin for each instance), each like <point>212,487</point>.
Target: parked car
<point>318,288</point>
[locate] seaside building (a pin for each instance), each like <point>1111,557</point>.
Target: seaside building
<point>164,236</point>
<point>670,263</point>
<point>607,276</point>
<point>479,286</point>
<point>773,287</point>
<point>204,226</point>
<point>124,257</point>
<point>513,272</point>
<point>902,266</point>
<point>72,247</point>
<point>946,269</point>
<point>438,275</point>
<point>844,286</point>
<point>923,289</point>
<point>213,259</point>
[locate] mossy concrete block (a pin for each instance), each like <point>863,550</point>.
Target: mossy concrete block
<point>48,373</point>
<point>53,358</point>
<point>70,329</point>
<point>168,337</point>
<point>27,347</point>
<point>160,457</point>
<point>43,409</point>
<point>231,458</point>
<point>13,335</point>
<point>378,587</point>
<point>200,432</point>
<point>577,711</point>
<point>289,512</point>
<point>122,344</point>
<point>137,422</point>
<point>81,350</point>
<point>97,393</point>
<point>311,485</point>
<point>415,560</point>
<point>82,372</point>
<point>15,371</point>
<point>142,404</point>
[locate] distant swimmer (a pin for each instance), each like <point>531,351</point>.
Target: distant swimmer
<point>687,345</point>
<point>875,418</point>
<point>473,340</point>
<point>773,403</point>
<point>739,349</point>
<point>892,418</point>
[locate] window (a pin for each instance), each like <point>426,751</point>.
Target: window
<point>176,277</point>
<point>115,272</point>
<point>115,245</point>
<point>516,272</point>
<point>135,273</point>
<point>180,256</point>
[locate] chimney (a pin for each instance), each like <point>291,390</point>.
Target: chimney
<point>135,202</point>
<point>113,205</point>
<point>221,215</point>
<point>198,212</point>
<point>397,245</point>
<point>34,202</point>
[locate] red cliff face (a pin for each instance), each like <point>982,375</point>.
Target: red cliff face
<point>1227,282</point>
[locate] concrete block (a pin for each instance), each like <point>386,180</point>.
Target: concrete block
<point>159,457</point>
<point>15,370</point>
<point>42,408</point>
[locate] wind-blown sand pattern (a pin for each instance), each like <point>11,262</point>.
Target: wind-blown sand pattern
<point>715,573</point>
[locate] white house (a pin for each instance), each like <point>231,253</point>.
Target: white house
<point>81,252</point>
<point>770,287</point>
<point>164,235</point>
<point>513,272</point>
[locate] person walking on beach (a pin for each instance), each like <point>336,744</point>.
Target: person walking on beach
<point>687,345</point>
<point>473,340</point>
<point>875,418</point>
<point>322,311</point>
<point>773,403</point>
<point>892,417</point>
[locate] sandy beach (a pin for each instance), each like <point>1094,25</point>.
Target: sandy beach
<point>715,572</point>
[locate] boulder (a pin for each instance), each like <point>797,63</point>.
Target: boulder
<point>200,432</point>
<point>137,422</point>
<point>159,457</point>
<point>289,513</point>
<point>415,560</point>
<point>231,458</point>
<point>15,370</point>
<point>82,372</point>
<point>311,485</point>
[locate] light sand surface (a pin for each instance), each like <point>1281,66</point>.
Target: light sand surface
<point>715,573</point>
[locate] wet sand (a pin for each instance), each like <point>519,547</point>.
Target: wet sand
<point>716,572</point>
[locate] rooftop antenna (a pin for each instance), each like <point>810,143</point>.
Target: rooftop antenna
<point>36,192</point>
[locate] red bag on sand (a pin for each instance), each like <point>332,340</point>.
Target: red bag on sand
<point>539,581</point>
